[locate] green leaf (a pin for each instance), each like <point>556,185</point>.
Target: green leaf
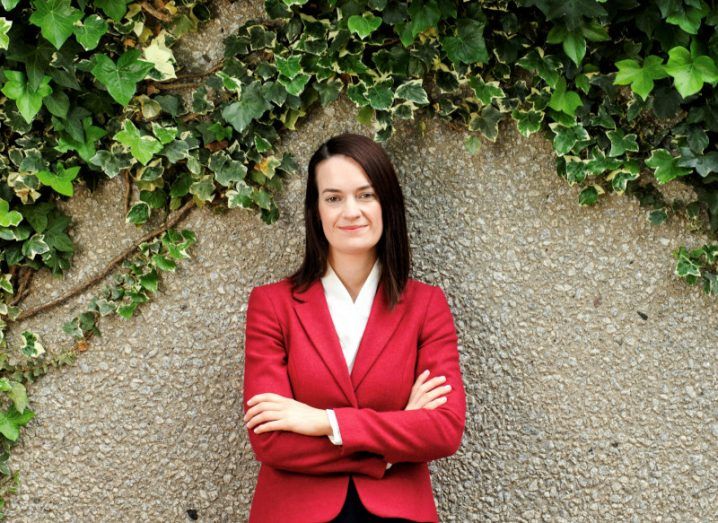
<point>35,245</point>
<point>527,122</point>
<point>690,72</point>
<point>241,196</point>
<point>486,92</point>
<point>423,16</point>
<point>121,78</point>
<point>138,214</point>
<point>703,164</point>
<point>468,46</point>
<point>58,104</point>
<point>8,218</point>
<point>164,264</point>
<point>296,85</point>
<point>574,45</point>
<point>472,143</point>
<point>61,181</point>
<point>290,66</point>
<point>149,281</point>
<point>565,138</point>
<point>588,196</point>
<point>226,170</point>
<point>251,105</point>
<point>85,148</point>
<point>640,77</point>
<point>89,32</point>
<point>380,96</point>
<point>142,147</point>
<point>363,25</point>
<point>690,19</point>
<point>620,143</point>
<point>5,26</point>
<point>12,420</point>
<point>164,134</point>
<point>595,32</point>
<point>9,5</point>
<point>413,91</point>
<point>563,100</point>
<point>665,166</point>
<point>115,9</point>
<point>28,101</point>
<point>487,122</point>
<point>56,20</point>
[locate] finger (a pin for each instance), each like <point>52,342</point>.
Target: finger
<point>435,393</point>
<point>433,382</point>
<point>269,426</point>
<point>270,415</point>
<point>265,396</point>
<point>422,377</point>
<point>261,407</point>
<point>436,403</point>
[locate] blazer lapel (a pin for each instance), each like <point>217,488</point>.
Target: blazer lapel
<point>313,312</point>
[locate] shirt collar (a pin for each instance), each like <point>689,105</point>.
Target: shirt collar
<point>335,289</point>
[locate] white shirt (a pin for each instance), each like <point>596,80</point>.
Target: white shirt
<point>350,319</point>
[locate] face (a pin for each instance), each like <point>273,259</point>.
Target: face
<point>349,208</point>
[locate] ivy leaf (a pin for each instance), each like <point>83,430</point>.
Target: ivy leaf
<point>296,85</point>
<point>138,214</point>
<point>8,218</point>
<point>121,78</point>
<point>160,56</point>
<point>16,392</point>
<point>5,26</point>
<point>588,196</point>
<point>527,122</point>
<point>545,66</point>
<point>241,196</point>
<point>56,20</point>
<point>689,18</point>
<point>113,161</point>
<point>565,138</point>
<point>574,45</point>
<point>89,32</point>
<point>690,72</point>
<point>563,100</point>
<point>380,96</point>
<point>363,25</point>
<point>28,101</point>
<point>115,9</point>
<point>86,147</point>
<point>413,91</point>
<point>620,143</point>
<point>226,169</point>
<point>468,46</point>
<point>164,134</point>
<point>9,5</point>
<point>472,143</point>
<point>35,245</point>
<point>640,78</point>
<point>251,105</point>
<point>704,164</point>
<point>61,181</point>
<point>290,66</point>
<point>666,166</point>
<point>486,92</point>
<point>487,122</point>
<point>423,16</point>
<point>12,420</point>
<point>142,147</point>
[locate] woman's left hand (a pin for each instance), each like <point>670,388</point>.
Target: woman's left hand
<point>275,412</point>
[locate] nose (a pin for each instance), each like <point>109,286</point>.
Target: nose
<point>351,209</point>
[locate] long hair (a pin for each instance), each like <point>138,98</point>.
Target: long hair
<point>393,248</point>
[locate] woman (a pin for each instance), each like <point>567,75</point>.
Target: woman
<point>351,381</point>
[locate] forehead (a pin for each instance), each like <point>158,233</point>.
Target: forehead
<point>340,172</point>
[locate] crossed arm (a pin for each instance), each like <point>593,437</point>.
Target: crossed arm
<point>370,438</point>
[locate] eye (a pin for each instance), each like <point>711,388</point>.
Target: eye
<point>367,195</point>
<point>331,199</point>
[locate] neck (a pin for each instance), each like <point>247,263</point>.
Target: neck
<point>352,269</point>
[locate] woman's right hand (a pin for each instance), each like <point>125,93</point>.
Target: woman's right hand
<point>427,394</point>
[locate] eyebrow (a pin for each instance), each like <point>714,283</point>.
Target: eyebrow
<point>337,190</point>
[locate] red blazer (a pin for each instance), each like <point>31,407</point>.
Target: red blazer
<point>292,349</point>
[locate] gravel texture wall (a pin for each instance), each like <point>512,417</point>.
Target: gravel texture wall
<point>590,370</point>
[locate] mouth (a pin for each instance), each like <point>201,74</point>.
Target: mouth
<point>352,228</point>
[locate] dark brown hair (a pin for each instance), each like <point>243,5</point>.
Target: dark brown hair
<point>393,248</point>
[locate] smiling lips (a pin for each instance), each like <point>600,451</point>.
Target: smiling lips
<point>352,228</point>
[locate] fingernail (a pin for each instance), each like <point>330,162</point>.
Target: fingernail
<point>448,387</point>
<point>426,371</point>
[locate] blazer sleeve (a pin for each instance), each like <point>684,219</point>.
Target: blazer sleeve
<point>265,370</point>
<point>416,435</point>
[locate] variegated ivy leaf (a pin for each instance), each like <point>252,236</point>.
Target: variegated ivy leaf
<point>158,54</point>
<point>589,195</point>
<point>240,196</point>
<point>203,188</point>
<point>8,218</point>
<point>566,138</point>
<point>112,162</point>
<point>164,134</point>
<point>380,96</point>
<point>5,26</point>
<point>142,147</point>
<point>487,121</point>
<point>290,66</point>
<point>413,91</point>
<point>665,166</point>
<point>267,166</point>
<point>149,281</point>
<point>251,105</point>
<point>620,177</point>
<point>138,214</point>
<point>226,170</point>
<point>363,25</point>
<point>31,345</point>
<point>546,66</point>
<point>89,32</point>
<point>575,169</point>
<point>296,85</point>
<point>527,122</point>
<point>486,92</point>
<point>620,143</point>
<point>60,180</point>
<point>357,93</point>
<point>6,284</point>
<point>34,245</point>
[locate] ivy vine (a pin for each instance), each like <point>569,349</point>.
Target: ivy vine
<point>625,91</point>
